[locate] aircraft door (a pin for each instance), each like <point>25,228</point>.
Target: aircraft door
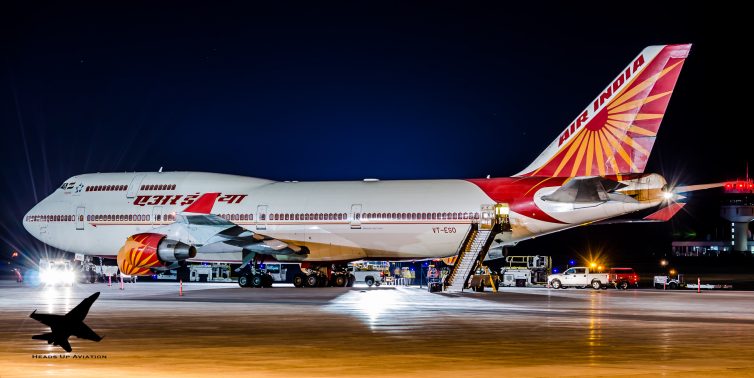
<point>261,217</point>
<point>134,186</point>
<point>487,219</point>
<point>80,217</point>
<point>156,216</point>
<point>356,216</point>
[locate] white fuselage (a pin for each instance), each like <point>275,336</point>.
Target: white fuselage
<point>93,214</point>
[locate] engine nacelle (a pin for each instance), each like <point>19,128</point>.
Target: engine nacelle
<point>142,252</point>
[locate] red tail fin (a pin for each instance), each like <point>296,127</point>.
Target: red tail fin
<point>615,133</point>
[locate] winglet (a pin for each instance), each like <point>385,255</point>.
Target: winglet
<point>667,212</point>
<point>204,204</point>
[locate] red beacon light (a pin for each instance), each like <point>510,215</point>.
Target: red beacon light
<point>740,186</point>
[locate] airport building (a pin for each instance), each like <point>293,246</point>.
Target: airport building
<point>737,209</point>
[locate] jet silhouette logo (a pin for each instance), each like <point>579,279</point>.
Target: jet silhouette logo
<point>64,326</point>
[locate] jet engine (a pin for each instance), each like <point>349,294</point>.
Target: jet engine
<point>145,251</point>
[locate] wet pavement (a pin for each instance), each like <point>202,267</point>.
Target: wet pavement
<point>221,330</point>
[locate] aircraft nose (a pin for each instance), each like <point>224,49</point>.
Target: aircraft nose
<point>27,221</point>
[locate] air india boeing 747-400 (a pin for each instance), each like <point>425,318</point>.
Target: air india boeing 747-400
<point>592,172</point>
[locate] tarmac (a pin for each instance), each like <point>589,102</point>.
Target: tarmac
<point>224,330</point>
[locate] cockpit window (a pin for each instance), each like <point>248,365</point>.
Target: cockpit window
<point>64,185</point>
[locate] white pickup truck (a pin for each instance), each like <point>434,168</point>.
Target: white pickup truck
<point>579,277</point>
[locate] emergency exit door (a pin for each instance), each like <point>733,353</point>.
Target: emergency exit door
<point>80,217</point>
<point>356,216</point>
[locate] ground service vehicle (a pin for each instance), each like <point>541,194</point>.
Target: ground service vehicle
<point>672,283</point>
<point>56,272</point>
<point>578,277</point>
<point>623,278</point>
<point>368,272</point>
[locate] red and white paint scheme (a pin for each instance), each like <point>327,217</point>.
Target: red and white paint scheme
<point>592,171</point>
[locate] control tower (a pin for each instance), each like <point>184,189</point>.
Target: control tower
<point>738,208</point>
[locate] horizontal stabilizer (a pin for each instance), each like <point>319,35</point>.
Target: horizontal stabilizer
<point>693,188</point>
<point>667,212</point>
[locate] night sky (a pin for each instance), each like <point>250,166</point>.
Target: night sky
<point>347,90</point>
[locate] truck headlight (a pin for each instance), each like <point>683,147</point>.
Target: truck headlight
<point>44,276</point>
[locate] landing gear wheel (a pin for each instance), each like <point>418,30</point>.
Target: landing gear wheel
<point>256,280</point>
<point>244,280</point>
<point>351,280</point>
<point>340,280</point>
<point>555,284</point>
<point>299,280</point>
<point>312,280</point>
<point>596,285</point>
<point>267,280</point>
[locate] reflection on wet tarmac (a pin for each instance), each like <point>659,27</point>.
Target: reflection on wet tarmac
<point>220,329</point>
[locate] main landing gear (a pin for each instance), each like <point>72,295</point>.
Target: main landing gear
<point>252,276</point>
<point>322,276</point>
<point>260,279</point>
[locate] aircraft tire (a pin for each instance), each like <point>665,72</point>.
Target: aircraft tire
<point>299,280</point>
<point>340,280</point>
<point>257,280</point>
<point>311,280</point>
<point>244,280</point>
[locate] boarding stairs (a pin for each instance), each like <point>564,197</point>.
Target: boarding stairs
<point>473,252</point>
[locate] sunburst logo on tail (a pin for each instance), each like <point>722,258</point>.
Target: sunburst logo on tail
<point>616,133</point>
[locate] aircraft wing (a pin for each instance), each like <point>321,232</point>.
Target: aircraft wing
<point>79,312</point>
<point>238,236</point>
<point>46,319</point>
<point>197,223</point>
<point>84,332</point>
